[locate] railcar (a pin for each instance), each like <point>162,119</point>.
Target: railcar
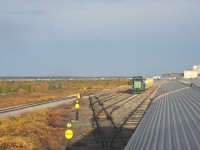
<point>140,84</point>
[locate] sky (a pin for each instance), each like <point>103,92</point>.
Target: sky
<point>98,37</point>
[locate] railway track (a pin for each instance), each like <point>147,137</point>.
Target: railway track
<point>4,112</point>
<point>110,122</point>
<point>19,107</point>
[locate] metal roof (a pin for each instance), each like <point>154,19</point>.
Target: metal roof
<point>170,86</point>
<point>171,123</point>
<point>195,81</point>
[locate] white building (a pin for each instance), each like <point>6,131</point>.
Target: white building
<point>196,68</point>
<point>190,74</point>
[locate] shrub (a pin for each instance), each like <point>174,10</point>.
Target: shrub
<point>24,132</point>
<point>45,98</point>
<point>16,142</point>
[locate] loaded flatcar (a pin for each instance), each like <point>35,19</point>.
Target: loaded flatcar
<point>149,82</point>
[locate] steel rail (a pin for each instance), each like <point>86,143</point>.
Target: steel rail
<point>123,104</point>
<point>18,107</point>
<point>107,145</point>
<point>130,115</point>
<point>121,100</point>
<point>108,117</point>
<point>97,124</point>
<point>29,105</point>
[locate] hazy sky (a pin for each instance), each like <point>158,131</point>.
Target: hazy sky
<point>98,37</point>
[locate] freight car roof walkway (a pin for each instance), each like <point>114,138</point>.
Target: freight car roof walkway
<point>171,123</point>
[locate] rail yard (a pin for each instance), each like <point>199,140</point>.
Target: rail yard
<point>99,75</point>
<point>114,112</point>
<point>162,115</point>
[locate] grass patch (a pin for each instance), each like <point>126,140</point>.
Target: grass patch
<point>25,131</point>
<point>22,92</point>
<point>41,129</point>
<point>44,129</point>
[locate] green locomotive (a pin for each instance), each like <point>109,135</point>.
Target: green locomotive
<point>138,85</point>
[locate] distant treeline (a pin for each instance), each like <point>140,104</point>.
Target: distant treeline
<point>54,78</point>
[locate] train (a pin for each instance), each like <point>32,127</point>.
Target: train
<point>140,84</point>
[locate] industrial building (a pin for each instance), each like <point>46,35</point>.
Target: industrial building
<point>196,68</point>
<point>192,74</point>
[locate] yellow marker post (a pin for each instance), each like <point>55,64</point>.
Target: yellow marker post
<point>77,106</point>
<point>84,88</point>
<point>78,95</point>
<point>68,135</point>
<point>69,125</point>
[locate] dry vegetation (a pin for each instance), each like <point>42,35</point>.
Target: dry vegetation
<point>44,129</point>
<point>21,92</point>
